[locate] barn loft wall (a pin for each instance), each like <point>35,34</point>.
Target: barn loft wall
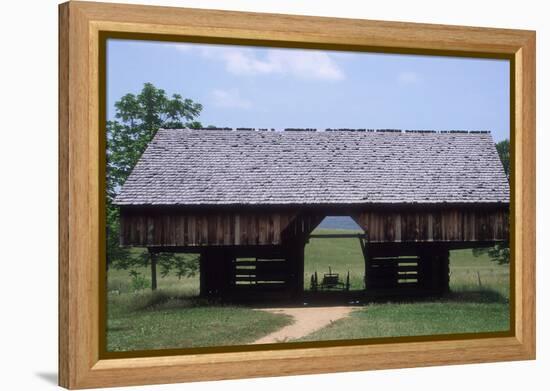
<point>185,229</point>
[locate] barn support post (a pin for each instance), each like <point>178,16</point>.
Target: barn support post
<point>153,256</point>
<point>216,272</point>
<point>300,270</point>
<point>363,244</point>
<point>434,270</point>
<point>296,260</point>
<point>227,274</point>
<point>202,274</point>
<point>209,286</point>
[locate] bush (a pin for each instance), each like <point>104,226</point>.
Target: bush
<point>499,253</point>
<point>139,282</point>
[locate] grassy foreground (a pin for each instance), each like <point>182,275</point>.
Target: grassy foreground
<point>165,319</point>
<point>174,317</point>
<point>413,319</point>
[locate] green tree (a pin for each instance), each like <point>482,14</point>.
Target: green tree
<point>137,119</point>
<point>499,253</point>
<point>503,149</point>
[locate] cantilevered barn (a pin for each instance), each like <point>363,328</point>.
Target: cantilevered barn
<point>248,200</point>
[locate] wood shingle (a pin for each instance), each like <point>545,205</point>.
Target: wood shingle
<point>224,167</point>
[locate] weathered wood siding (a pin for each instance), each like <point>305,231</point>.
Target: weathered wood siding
<point>301,226</point>
<point>183,229</point>
<point>446,225</point>
<point>208,229</point>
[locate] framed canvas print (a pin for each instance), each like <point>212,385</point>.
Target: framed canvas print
<point>248,195</point>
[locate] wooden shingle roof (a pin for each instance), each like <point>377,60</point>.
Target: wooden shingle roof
<point>226,167</point>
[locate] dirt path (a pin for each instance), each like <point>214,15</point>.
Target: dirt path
<point>306,321</point>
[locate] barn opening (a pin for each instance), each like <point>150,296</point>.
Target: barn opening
<point>333,259</point>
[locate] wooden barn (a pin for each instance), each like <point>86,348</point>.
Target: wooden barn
<point>248,200</point>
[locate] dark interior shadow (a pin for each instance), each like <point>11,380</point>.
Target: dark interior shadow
<point>48,377</point>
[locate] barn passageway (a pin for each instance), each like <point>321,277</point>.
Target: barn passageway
<point>333,250</point>
<point>341,265</point>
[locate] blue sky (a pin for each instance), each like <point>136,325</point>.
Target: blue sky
<point>278,88</point>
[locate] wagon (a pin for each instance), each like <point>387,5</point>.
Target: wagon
<point>330,281</point>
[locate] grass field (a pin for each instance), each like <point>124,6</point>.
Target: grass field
<point>174,317</point>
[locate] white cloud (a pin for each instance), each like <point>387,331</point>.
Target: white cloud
<point>183,47</point>
<point>230,99</point>
<point>302,64</point>
<point>408,77</point>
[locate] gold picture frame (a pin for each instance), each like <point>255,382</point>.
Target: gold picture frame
<point>83,29</point>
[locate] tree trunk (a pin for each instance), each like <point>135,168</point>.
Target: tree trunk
<point>153,256</point>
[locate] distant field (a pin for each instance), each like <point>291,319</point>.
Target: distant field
<point>174,317</point>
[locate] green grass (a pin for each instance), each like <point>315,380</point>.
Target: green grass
<point>478,274</point>
<point>160,321</point>
<point>413,319</point>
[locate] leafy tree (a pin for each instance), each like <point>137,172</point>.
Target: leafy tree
<point>503,149</point>
<point>499,253</point>
<point>115,254</point>
<point>138,118</point>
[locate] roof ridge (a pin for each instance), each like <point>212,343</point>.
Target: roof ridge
<point>334,130</point>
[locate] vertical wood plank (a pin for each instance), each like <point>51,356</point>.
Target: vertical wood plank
<point>430,227</point>
<point>183,237</point>
<point>276,228</point>
<point>227,228</point>
<point>198,228</point>
<point>219,230</point>
<point>262,228</point>
<point>238,235</point>
<point>192,230</point>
